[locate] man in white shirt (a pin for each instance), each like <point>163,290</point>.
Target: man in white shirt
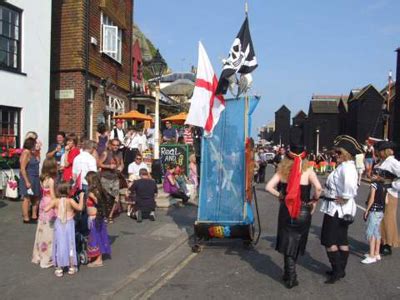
<point>134,168</point>
<point>118,132</point>
<point>84,163</point>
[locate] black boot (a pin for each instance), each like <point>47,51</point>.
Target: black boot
<point>285,276</point>
<point>386,250</point>
<point>290,264</point>
<point>345,256</point>
<point>337,269</point>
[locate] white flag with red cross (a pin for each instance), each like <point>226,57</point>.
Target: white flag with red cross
<point>205,106</point>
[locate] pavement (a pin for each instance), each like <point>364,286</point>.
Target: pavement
<point>136,249</point>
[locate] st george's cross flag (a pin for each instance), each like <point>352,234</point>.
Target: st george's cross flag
<point>242,58</point>
<point>205,106</point>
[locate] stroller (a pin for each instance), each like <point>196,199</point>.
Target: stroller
<point>81,233</point>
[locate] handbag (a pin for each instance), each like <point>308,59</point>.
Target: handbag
<point>11,186</point>
<point>347,218</point>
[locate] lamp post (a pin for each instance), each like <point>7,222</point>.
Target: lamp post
<point>157,67</point>
<point>317,150</point>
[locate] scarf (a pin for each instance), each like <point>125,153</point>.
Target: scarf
<point>293,192</point>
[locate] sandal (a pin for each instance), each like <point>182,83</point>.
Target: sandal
<point>59,272</point>
<point>72,270</point>
<point>95,265</point>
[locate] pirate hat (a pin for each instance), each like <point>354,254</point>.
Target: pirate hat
<point>349,144</point>
<point>383,145</point>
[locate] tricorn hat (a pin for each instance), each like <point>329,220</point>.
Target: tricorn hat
<point>349,144</point>
<point>383,145</point>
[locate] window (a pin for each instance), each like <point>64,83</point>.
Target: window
<point>10,37</point>
<point>111,38</point>
<point>115,106</point>
<point>9,120</point>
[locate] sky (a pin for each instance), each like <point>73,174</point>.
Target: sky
<point>303,47</point>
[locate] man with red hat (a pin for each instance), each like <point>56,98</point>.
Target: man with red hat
<point>118,132</point>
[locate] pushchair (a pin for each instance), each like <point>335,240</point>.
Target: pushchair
<point>81,234</point>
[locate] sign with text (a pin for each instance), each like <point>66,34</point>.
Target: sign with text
<point>65,94</point>
<point>177,154</point>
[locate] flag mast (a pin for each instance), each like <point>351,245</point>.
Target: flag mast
<point>246,96</point>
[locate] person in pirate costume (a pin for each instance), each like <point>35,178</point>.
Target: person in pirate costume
<point>294,179</point>
<point>387,173</point>
<point>339,206</point>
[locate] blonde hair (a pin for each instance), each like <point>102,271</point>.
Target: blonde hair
<point>192,158</point>
<point>386,153</point>
<point>285,166</point>
<point>346,156</point>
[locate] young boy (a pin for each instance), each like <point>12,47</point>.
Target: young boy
<point>143,192</point>
<point>374,215</point>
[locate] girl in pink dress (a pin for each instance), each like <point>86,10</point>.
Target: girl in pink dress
<point>193,171</point>
<point>42,248</point>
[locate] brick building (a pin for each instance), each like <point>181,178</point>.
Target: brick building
<point>91,63</point>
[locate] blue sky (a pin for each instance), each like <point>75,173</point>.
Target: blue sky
<point>303,47</point>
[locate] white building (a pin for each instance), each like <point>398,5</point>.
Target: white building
<point>25,36</point>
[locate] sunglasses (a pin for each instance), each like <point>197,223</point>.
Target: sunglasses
<point>138,158</point>
<point>115,145</point>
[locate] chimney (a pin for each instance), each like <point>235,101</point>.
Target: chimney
<point>396,108</point>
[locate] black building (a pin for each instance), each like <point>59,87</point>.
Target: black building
<point>364,116</point>
<point>342,114</point>
<point>297,129</point>
<point>396,105</point>
<point>322,123</point>
<point>282,126</point>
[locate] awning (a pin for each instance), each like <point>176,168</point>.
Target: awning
<point>180,87</point>
<point>178,119</point>
<point>134,115</point>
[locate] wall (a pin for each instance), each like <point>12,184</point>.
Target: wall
<point>31,91</point>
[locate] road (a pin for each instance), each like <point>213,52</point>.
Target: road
<point>225,270</point>
<point>153,260</point>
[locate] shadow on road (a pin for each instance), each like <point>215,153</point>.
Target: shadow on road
<point>3,204</point>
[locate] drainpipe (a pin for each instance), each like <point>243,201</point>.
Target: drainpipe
<point>86,39</point>
<point>396,106</point>
<point>130,54</point>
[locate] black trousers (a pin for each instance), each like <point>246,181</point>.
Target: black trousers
<point>180,195</point>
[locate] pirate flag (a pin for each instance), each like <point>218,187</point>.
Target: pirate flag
<point>241,59</point>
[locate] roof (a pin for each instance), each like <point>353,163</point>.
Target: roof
<point>175,76</point>
<point>357,93</point>
<point>328,97</point>
<point>324,106</point>
<point>384,91</point>
<point>301,113</point>
<point>283,108</point>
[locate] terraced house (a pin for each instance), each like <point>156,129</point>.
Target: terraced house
<point>91,63</point>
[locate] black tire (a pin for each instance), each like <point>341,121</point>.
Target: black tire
<point>83,258</point>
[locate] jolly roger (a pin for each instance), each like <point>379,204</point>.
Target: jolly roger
<point>236,55</point>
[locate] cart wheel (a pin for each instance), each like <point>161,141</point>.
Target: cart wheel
<point>196,248</point>
<point>83,258</point>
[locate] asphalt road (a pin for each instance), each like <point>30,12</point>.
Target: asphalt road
<point>226,270</point>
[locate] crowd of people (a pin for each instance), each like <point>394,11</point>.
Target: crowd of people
<point>292,183</point>
<point>90,177</point>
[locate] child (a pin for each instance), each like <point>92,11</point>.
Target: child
<point>64,249</point>
<point>170,185</point>
<point>42,248</point>
<point>143,192</point>
<point>98,243</point>
<point>374,215</point>
<point>193,171</point>
<point>181,180</point>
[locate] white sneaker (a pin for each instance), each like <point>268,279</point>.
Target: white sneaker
<point>369,260</point>
<point>128,213</point>
<point>378,257</point>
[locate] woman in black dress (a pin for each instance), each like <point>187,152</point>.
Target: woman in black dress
<point>295,179</point>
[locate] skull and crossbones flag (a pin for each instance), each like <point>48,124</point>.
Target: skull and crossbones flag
<point>242,58</point>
